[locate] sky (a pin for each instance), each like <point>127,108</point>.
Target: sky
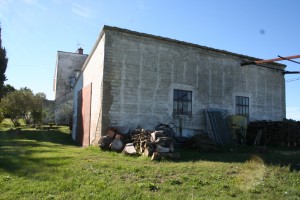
<point>34,30</point>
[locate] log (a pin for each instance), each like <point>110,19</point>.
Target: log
<point>148,152</point>
<point>141,147</point>
<point>163,140</point>
<point>156,134</point>
<point>129,149</point>
<point>156,156</point>
<point>110,133</point>
<point>117,145</point>
<point>280,133</point>
<point>105,142</point>
<point>118,136</point>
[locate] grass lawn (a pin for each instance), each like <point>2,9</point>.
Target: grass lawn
<point>44,164</point>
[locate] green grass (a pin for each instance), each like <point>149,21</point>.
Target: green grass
<point>40,164</point>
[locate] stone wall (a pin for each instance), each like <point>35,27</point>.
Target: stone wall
<point>141,73</point>
<point>66,65</point>
<point>93,74</point>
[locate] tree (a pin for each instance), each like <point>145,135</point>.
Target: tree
<point>37,109</point>
<point>3,66</point>
<point>7,88</point>
<point>19,104</point>
<point>64,113</point>
<point>23,104</point>
<point>48,112</point>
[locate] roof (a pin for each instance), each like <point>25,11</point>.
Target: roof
<point>247,58</point>
<point>72,53</point>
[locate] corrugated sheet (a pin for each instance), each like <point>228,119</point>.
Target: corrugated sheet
<point>217,127</point>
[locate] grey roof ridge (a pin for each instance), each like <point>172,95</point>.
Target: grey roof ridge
<point>249,58</point>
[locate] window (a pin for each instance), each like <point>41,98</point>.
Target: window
<point>182,102</point>
<point>72,81</point>
<point>242,105</point>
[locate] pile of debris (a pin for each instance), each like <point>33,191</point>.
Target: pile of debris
<point>284,133</point>
<point>154,144</point>
<point>202,142</point>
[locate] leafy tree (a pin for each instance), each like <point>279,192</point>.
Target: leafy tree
<point>64,113</point>
<point>48,112</point>
<point>37,109</point>
<point>3,66</point>
<point>22,104</point>
<point>7,88</point>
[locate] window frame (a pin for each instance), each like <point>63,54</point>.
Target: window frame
<point>182,102</point>
<point>242,105</point>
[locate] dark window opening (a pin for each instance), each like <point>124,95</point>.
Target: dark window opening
<point>182,102</point>
<point>242,106</point>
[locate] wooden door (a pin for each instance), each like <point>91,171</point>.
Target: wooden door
<point>84,116</point>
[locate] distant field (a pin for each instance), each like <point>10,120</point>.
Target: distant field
<point>44,164</point>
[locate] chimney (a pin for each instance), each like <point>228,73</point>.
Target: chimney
<point>80,50</point>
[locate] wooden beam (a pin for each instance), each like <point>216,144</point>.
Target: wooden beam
<point>270,60</point>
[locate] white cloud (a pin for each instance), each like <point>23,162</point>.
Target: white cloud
<point>81,10</point>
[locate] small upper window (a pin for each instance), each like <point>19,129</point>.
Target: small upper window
<point>242,105</point>
<point>182,102</point>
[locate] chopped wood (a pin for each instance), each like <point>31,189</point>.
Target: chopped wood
<point>148,152</point>
<point>164,140</point>
<point>156,134</point>
<point>118,136</point>
<point>284,133</point>
<point>117,145</point>
<point>111,133</point>
<point>105,142</point>
<point>129,149</point>
<point>140,141</point>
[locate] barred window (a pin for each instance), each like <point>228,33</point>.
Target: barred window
<point>242,105</point>
<point>182,102</point>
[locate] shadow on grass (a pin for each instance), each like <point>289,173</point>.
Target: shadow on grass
<point>53,136</point>
<point>270,156</point>
<point>18,151</point>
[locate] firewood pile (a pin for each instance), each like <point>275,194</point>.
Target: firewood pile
<point>154,144</point>
<point>284,133</point>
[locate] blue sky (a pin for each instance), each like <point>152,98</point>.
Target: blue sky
<point>34,30</point>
